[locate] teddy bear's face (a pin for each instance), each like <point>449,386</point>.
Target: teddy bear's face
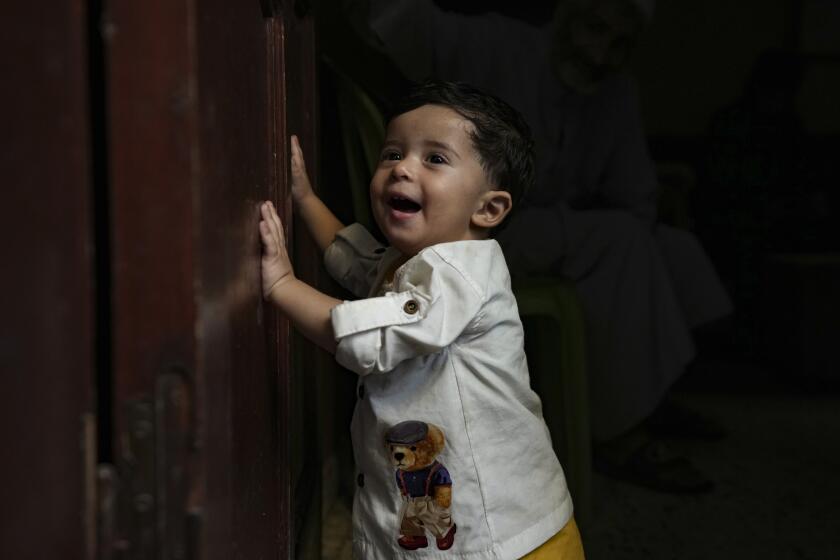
<point>412,457</point>
<point>416,456</point>
<point>404,457</point>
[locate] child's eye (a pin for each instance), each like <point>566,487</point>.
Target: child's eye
<point>391,156</point>
<point>437,158</point>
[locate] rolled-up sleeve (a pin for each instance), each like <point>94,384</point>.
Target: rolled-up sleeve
<point>352,259</point>
<point>433,304</point>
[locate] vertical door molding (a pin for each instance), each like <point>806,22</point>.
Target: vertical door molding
<point>279,332</point>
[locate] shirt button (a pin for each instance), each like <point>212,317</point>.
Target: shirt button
<point>360,480</point>
<point>361,391</point>
<point>411,307</point>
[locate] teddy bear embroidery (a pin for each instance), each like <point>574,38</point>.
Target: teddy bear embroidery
<point>424,485</point>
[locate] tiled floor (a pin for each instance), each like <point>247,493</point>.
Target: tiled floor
<point>776,496</point>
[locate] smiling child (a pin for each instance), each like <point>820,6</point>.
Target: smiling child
<point>435,338</point>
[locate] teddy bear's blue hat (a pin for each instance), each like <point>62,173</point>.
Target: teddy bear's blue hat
<point>410,431</point>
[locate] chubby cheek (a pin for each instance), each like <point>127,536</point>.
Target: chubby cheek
<point>449,214</point>
<point>378,208</point>
<point>379,212</point>
<point>377,185</point>
<point>377,199</point>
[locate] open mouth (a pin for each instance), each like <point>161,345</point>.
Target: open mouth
<point>402,204</point>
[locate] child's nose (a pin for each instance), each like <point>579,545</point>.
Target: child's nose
<point>403,170</point>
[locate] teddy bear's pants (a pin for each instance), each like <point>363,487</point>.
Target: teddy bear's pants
<point>421,514</point>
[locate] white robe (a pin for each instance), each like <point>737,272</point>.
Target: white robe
<point>591,215</point>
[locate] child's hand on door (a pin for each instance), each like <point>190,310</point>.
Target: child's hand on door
<point>301,187</point>
<point>276,266</point>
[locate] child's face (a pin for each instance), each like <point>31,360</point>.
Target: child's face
<point>429,181</point>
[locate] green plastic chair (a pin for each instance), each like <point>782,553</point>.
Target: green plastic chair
<point>362,133</point>
<point>555,344</point>
<point>549,306</point>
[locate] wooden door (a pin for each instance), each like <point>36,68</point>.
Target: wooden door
<point>139,139</point>
<point>47,358</point>
<point>198,98</point>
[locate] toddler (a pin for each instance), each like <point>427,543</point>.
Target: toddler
<point>454,459</point>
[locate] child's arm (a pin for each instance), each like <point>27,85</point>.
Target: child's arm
<point>320,221</point>
<point>307,308</point>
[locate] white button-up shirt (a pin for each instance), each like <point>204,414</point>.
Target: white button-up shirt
<point>443,344</point>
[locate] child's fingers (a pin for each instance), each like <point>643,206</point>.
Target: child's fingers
<point>268,238</point>
<point>278,225</point>
<point>265,213</point>
<point>298,162</point>
<point>297,152</point>
<point>272,222</point>
<point>266,233</point>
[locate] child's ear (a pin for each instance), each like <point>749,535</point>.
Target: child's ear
<point>493,207</point>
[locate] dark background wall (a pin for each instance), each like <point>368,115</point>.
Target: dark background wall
<point>696,58</point>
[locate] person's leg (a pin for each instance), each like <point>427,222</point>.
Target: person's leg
<point>639,345</point>
<point>697,285</point>
<point>637,337</point>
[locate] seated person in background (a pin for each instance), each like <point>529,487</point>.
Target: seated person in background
<point>592,214</point>
<point>448,436</point>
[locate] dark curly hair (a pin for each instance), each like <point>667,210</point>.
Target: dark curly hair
<point>501,136</point>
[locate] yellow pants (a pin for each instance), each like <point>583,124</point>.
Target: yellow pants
<point>565,545</point>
